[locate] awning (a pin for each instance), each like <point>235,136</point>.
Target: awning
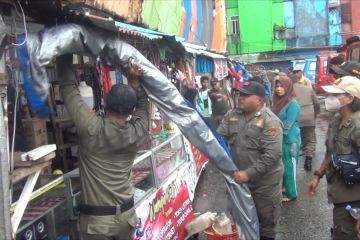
<point>110,24</point>
<point>144,32</point>
<point>201,50</point>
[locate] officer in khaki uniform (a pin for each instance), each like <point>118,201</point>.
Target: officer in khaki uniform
<point>343,138</point>
<point>107,148</point>
<point>298,71</point>
<point>310,108</point>
<point>219,102</point>
<point>254,136</point>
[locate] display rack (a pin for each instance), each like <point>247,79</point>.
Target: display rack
<point>35,210</point>
<point>150,169</point>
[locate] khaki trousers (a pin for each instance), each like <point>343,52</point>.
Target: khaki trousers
<point>308,141</point>
<point>344,223</point>
<point>111,227</point>
<point>268,211</point>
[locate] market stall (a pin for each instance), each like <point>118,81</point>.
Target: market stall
<point>166,169</point>
<point>164,178</point>
<point>156,169</point>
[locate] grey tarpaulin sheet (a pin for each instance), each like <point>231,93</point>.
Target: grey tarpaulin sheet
<point>71,38</point>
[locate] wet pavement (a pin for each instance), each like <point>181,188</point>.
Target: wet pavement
<point>308,217</point>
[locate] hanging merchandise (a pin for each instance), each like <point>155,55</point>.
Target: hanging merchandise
<point>91,77</point>
<point>237,79</point>
<point>87,75</point>
<point>118,76</point>
<point>221,68</point>
<point>164,68</point>
<point>34,93</point>
<point>98,93</point>
<point>246,74</point>
<point>105,79</point>
<point>174,76</point>
<point>190,73</point>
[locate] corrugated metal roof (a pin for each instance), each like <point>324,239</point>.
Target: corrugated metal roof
<point>131,29</point>
<point>201,50</point>
<point>148,33</point>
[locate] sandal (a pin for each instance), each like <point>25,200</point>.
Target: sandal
<point>287,200</point>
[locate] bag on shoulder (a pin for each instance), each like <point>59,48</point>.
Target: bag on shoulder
<point>349,167</point>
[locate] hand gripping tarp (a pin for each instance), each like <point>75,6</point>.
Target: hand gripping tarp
<point>75,39</point>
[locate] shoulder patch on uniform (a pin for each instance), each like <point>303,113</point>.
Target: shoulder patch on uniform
<point>258,114</point>
<point>273,131</point>
<point>260,123</point>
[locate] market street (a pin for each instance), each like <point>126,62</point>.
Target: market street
<point>309,217</point>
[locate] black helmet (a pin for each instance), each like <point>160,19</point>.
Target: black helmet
<point>121,99</point>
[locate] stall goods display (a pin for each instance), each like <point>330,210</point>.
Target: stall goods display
<point>38,208</point>
<point>139,175</point>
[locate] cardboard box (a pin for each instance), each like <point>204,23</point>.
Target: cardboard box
<point>35,132</point>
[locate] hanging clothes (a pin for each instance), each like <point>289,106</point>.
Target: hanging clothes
<point>105,79</point>
<point>190,72</point>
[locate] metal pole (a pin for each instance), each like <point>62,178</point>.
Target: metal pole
<point>5,226</point>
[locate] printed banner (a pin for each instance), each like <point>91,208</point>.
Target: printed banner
<point>164,214</point>
<point>168,213</point>
<point>199,159</point>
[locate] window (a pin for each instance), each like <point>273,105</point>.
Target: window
<point>312,66</point>
<point>345,12</point>
<point>325,66</point>
<point>355,54</point>
<point>234,25</point>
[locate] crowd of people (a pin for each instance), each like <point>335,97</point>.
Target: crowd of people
<point>272,122</point>
<point>266,125</point>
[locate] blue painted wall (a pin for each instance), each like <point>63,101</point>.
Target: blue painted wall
<point>335,26</point>
<point>289,14</point>
<point>311,24</point>
<point>187,6</point>
<point>199,21</point>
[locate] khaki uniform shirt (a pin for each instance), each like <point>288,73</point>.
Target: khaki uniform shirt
<point>309,104</point>
<point>340,139</point>
<point>106,151</point>
<point>256,147</point>
<point>304,81</point>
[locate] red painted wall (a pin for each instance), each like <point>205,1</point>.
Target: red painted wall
<point>355,15</point>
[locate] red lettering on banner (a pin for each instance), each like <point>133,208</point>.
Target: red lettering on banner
<point>170,211</point>
<point>199,158</point>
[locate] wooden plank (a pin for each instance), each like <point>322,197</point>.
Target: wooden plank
<point>38,152</point>
<point>63,123</point>
<point>23,200</point>
<point>19,163</point>
<point>23,172</point>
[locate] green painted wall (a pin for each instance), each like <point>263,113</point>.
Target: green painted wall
<point>256,20</point>
<point>278,18</point>
<point>231,10</point>
<point>163,15</point>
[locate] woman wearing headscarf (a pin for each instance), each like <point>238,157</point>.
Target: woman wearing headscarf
<point>288,110</point>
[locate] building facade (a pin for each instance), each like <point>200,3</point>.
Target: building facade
<point>198,21</point>
<point>260,26</point>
